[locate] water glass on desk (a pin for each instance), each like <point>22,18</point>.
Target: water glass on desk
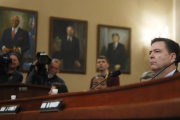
<point>54,91</point>
<point>13,97</point>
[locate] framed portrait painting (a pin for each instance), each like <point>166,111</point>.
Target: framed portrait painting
<point>114,43</point>
<point>18,34</point>
<point>68,39</point>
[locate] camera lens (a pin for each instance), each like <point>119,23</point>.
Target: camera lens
<point>43,60</point>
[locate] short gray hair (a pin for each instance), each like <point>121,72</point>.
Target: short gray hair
<point>57,61</point>
<point>147,75</point>
<point>17,18</point>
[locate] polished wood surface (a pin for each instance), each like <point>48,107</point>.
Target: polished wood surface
<point>154,99</point>
<point>22,90</point>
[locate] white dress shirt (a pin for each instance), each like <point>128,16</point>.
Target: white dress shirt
<point>171,73</point>
<point>69,38</point>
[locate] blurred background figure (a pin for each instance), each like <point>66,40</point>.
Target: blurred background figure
<point>9,71</point>
<point>98,79</point>
<point>102,66</point>
<point>146,76</point>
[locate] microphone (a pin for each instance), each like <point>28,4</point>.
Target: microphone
<point>177,60</point>
<point>115,73</point>
<point>112,74</point>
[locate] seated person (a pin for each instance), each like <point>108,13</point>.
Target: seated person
<point>45,78</point>
<point>60,86</point>
<point>102,66</point>
<point>162,53</point>
<point>147,76</point>
<point>97,80</point>
<point>12,75</point>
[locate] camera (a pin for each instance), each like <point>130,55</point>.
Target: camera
<point>43,60</point>
<point>5,60</point>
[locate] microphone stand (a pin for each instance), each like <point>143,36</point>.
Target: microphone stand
<point>163,70</point>
<point>101,82</point>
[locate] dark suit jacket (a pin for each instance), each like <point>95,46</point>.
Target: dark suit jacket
<point>69,52</point>
<point>15,77</point>
<point>176,71</point>
<point>21,39</point>
<point>42,79</point>
<point>117,56</point>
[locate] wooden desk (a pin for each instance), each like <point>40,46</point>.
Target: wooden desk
<point>22,90</point>
<point>154,99</point>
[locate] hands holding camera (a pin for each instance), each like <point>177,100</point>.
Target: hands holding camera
<point>34,64</point>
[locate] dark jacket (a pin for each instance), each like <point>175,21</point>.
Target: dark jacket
<point>42,79</point>
<point>176,71</point>
<point>117,56</point>
<point>69,52</point>
<point>21,39</point>
<point>15,77</point>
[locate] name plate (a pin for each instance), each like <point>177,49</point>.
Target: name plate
<point>9,109</point>
<point>49,106</point>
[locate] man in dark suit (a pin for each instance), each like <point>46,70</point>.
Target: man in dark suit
<point>70,50</point>
<point>162,53</point>
<point>116,54</point>
<point>15,39</point>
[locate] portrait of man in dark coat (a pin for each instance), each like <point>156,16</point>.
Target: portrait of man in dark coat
<point>68,44</point>
<point>70,50</point>
<point>114,43</point>
<point>116,53</point>
<point>15,39</point>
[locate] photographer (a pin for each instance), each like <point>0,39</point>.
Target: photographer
<point>38,75</point>
<point>8,72</point>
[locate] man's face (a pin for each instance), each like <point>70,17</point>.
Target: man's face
<point>102,64</point>
<point>159,56</point>
<point>53,68</point>
<point>15,62</point>
<point>69,31</point>
<point>14,22</point>
<point>115,38</point>
<point>103,85</point>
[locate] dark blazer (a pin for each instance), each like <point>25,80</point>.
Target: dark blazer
<point>21,39</point>
<point>176,71</point>
<point>15,77</point>
<point>117,56</point>
<point>69,52</point>
<point>42,79</point>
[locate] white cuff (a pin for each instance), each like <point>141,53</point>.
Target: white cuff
<point>3,48</point>
<point>19,50</point>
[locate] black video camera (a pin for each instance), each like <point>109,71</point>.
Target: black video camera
<point>5,60</point>
<point>43,60</point>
